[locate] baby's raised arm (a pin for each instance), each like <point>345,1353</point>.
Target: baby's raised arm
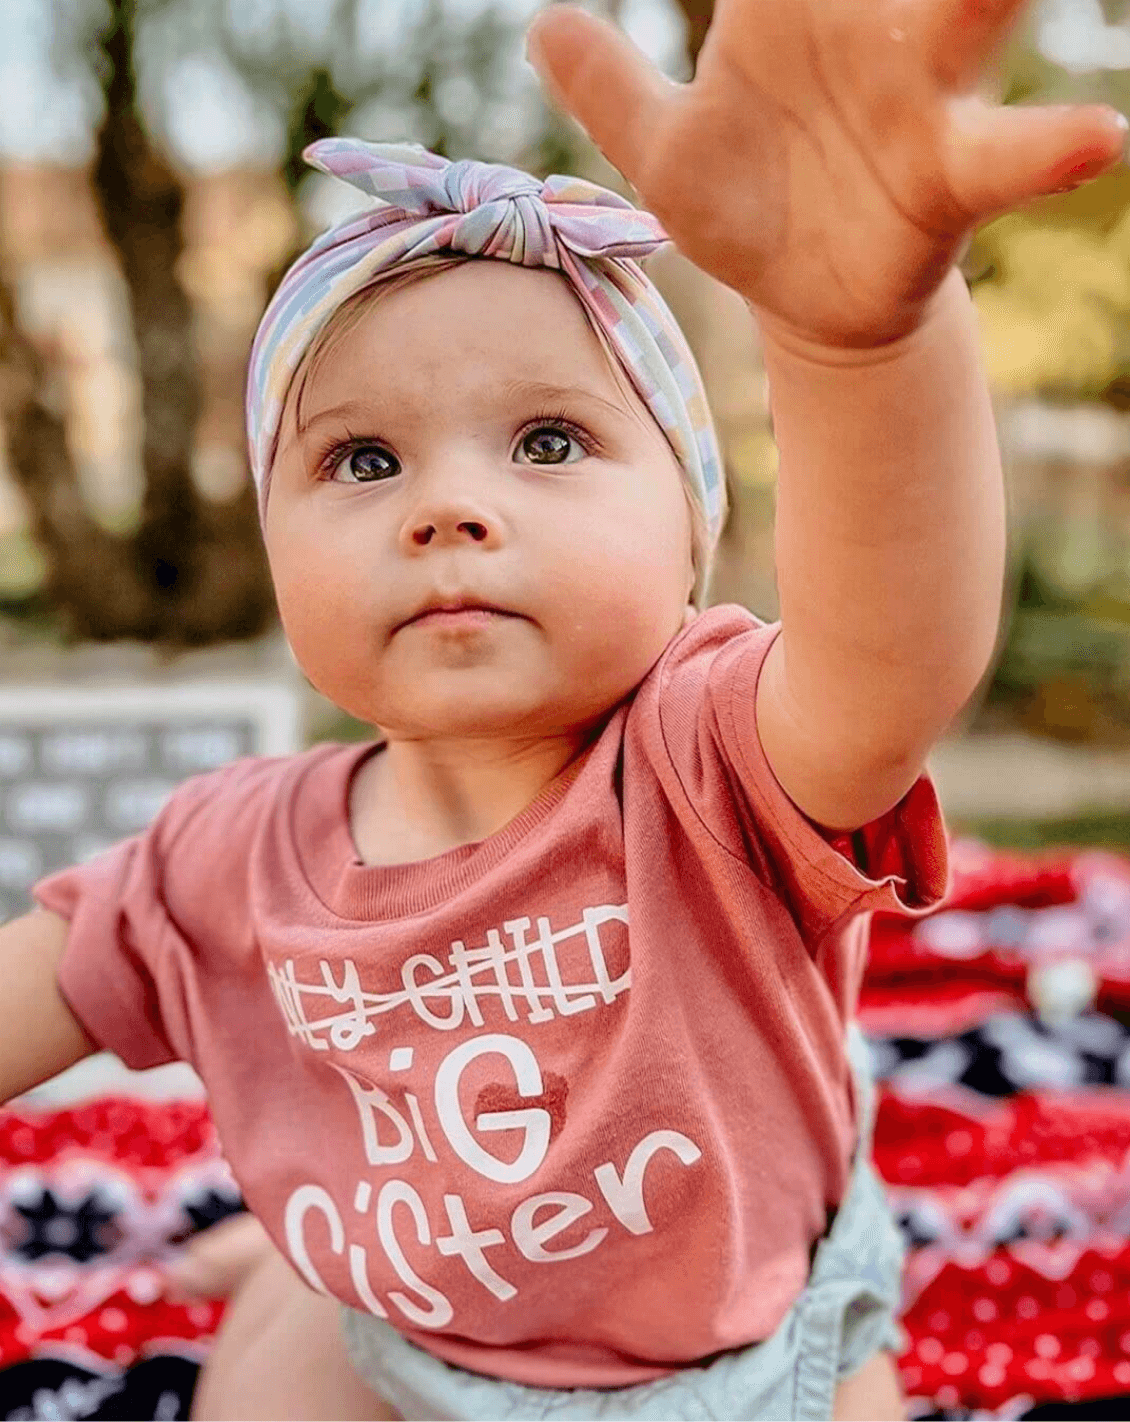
<point>827,162</point>
<point>890,543</point>
<point>39,1035</point>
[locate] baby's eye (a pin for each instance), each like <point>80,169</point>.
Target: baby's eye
<point>549,444</point>
<point>365,464</point>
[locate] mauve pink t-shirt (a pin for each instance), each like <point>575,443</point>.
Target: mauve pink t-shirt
<point>569,1105</point>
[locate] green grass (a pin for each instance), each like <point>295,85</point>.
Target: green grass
<point>338,726</point>
<point>22,566</point>
<point>1108,829</point>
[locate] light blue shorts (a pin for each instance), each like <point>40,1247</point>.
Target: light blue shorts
<point>845,1316</point>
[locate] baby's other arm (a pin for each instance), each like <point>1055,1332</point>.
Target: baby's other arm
<point>39,1035</point>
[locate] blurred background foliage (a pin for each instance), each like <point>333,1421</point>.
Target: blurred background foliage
<point>1052,288</point>
<point>1053,281</point>
<point>190,202</point>
<point>152,192</point>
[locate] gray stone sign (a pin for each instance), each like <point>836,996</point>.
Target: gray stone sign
<point>82,768</point>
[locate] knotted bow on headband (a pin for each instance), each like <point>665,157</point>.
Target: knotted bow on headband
<point>426,207</point>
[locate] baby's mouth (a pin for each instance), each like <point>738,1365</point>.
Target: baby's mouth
<point>459,617</point>
<point>458,614</point>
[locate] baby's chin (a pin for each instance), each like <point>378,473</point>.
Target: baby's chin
<point>488,722</point>
<point>503,691</point>
<point>504,711</point>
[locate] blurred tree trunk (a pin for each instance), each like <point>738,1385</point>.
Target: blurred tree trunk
<point>194,572</point>
<point>318,111</point>
<point>85,563</point>
<point>200,564</point>
<point>698,13</point>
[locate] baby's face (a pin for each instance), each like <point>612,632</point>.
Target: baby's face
<point>467,442</point>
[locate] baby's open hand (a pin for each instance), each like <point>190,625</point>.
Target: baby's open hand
<point>830,156</point>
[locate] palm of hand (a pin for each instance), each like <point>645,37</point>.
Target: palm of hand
<point>830,156</point>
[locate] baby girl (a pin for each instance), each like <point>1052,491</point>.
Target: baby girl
<point>527,1027</point>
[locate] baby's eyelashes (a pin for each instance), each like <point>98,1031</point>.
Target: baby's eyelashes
<point>550,444</point>
<point>542,443</point>
<point>361,464</point>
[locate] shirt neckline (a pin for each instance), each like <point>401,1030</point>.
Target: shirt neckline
<point>351,889</point>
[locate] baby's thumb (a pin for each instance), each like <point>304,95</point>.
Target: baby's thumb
<point>1004,157</point>
<point>594,72</point>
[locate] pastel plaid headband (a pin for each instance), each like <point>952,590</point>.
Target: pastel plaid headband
<point>425,208</point>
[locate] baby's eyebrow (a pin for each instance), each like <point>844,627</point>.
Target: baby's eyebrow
<point>558,394</point>
<point>336,412</point>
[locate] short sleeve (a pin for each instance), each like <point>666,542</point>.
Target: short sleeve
<point>707,705</point>
<point>126,906</point>
<point>109,970</point>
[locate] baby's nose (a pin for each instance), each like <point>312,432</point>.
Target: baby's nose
<point>426,531</point>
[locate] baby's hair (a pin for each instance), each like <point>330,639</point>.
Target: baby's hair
<point>347,315</point>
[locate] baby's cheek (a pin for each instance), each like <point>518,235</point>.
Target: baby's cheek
<point>325,632</point>
<point>627,631</point>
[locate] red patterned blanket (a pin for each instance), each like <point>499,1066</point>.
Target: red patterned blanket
<point>1003,1136</point>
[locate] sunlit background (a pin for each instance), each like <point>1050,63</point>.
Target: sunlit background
<point>151,192</point>
<point>185,126</point>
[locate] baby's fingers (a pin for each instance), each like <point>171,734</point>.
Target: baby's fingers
<point>596,74</point>
<point>1001,158</point>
